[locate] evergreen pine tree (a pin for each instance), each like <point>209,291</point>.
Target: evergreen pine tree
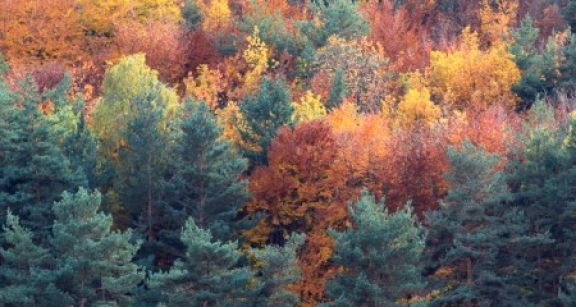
<point>568,295</point>
<point>338,17</point>
<point>338,91</point>
<point>192,14</point>
<point>94,261</point>
<point>80,147</point>
<point>207,184</point>
<point>568,65</point>
<point>569,14</point>
<point>478,234</point>
<point>263,115</point>
<point>380,255</point>
<point>26,277</point>
<point>276,268</point>
<point>539,75</point>
<point>209,274</point>
<point>4,67</point>
<point>33,169</point>
<point>545,178</point>
<point>142,173</point>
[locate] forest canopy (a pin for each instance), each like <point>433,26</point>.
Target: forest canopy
<point>287,153</point>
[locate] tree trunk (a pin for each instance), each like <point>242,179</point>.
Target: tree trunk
<point>149,200</point>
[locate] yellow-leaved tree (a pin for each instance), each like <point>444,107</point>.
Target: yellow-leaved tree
<point>416,106</point>
<point>100,16</point>
<point>473,77</point>
<point>230,119</point>
<point>309,107</point>
<point>256,56</point>
<point>124,82</point>
<point>494,22</point>
<point>205,86</point>
<point>345,118</point>
<point>216,15</point>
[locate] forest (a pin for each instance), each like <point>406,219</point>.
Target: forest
<point>288,153</point>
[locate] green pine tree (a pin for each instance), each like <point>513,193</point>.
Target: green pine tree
<point>539,76</point>
<point>207,184</point>
<point>277,267</point>
<point>338,91</point>
<point>4,67</point>
<point>95,262</point>
<point>545,178</point>
<point>568,295</point>
<point>209,275</point>
<point>26,273</point>
<point>479,235</point>
<point>263,115</point>
<point>80,147</point>
<point>568,65</point>
<point>338,17</point>
<point>142,173</point>
<point>569,14</point>
<point>33,169</point>
<point>192,14</point>
<point>380,255</point>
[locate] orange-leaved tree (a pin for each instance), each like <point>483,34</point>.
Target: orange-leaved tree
<point>298,192</point>
<point>33,32</point>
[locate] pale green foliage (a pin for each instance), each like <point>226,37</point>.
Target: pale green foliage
<point>123,83</point>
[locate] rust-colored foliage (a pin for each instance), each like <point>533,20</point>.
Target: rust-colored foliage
<point>405,42</point>
<point>494,129</point>
<point>163,44</point>
<point>298,192</point>
<point>414,170</point>
<point>199,50</point>
<point>48,76</point>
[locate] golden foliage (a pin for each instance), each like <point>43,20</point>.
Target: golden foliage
<point>229,119</point>
<point>308,108</point>
<point>473,77</point>
<point>216,15</point>
<point>205,86</point>
<point>494,23</point>
<point>100,16</point>
<point>125,81</point>
<point>416,106</point>
<point>345,118</point>
<point>256,56</point>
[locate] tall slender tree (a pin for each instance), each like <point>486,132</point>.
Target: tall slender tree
<point>142,173</point>
<point>207,184</point>
<point>338,91</point>
<point>544,181</point>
